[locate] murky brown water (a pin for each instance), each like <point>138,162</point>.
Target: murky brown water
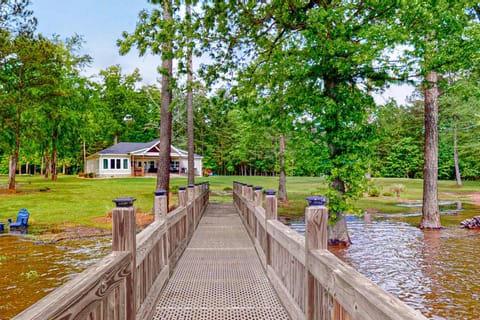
<point>29,271</point>
<point>435,272</point>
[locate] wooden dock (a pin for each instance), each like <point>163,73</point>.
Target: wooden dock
<point>219,261</point>
<point>219,275</point>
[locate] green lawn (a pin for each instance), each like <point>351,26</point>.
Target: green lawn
<point>75,201</point>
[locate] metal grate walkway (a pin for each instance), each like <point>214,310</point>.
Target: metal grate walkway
<point>219,275</point>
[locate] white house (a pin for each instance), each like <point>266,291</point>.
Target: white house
<point>138,159</point>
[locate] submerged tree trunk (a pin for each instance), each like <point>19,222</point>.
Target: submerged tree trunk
<point>163,173</point>
<point>455,153</point>
<point>282,181</point>
<point>190,124</point>
<point>338,233</point>
<point>430,211</point>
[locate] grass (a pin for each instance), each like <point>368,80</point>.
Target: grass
<point>73,201</point>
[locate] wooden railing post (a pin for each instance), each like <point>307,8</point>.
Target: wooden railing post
<point>124,239</point>
<point>191,192</point>
<point>250,193</point>
<point>316,220</point>
<point>160,204</point>
<point>258,197</point>
<point>182,197</point>
<point>270,214</point>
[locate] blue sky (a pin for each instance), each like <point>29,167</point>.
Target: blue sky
<point>101,23</point>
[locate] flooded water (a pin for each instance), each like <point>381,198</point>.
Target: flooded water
<point>435,272</point>
<point>29,271</point>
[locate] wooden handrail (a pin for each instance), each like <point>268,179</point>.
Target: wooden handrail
<point>311,282</point>
<point>127,283</point>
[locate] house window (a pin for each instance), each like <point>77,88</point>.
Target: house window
<point>125,163</point>
<point>105,163</point>
<point>118,164</point>
<point>112,163</point>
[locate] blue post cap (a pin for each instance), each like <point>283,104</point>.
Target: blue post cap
<point>316,200</point>
<point>191,186</point>
<point>124,202</point>
<point>270,192</point>
<point>182,188</point>
<point>258,188</point>
<point>160,192</point>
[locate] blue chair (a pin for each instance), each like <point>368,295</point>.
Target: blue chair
<point>22,220</point>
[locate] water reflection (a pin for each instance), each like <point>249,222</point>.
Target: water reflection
<point>29,271</point>
<point>435,272</point>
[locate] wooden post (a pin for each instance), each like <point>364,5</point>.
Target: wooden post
<point>270,214</point>
<point>316,221</point>
<point>197,205</point>
<point>250,192</point>
<point>160,209</point>
<point>191,192</point>
<point>182,197</point>
<point>258,198</point>
<point>124,239</point>
<point>270,205</point>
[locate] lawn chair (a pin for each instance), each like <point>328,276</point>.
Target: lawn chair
<point>22,220</point>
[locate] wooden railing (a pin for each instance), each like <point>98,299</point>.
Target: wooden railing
<point>126,284</point>
<point>311,282</point>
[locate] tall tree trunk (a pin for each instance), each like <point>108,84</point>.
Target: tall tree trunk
<point>190,124</point>
<point>41,165</point>
<point>163,173</point>
<point>430,211</point>
<point>455,152</point>
<point>115,138</point>
<point>54,155</point>
<point>84,157</point>
<point>47,164</point>
<point>13,160</point>
<point>12,170</point>
<point>282,181</point>
<point>337,233</point>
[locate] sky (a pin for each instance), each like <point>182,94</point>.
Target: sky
<point>101,23</point>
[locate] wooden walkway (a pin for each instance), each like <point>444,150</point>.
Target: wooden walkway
<point>219,275</point>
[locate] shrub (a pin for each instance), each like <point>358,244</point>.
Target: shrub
<point>387,194</point>
<point>173,189</point>
<point>397,188</point>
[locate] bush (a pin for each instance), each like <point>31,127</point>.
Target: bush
<point>372,189</point>
<point>174,189</point>
<point>387,194</point>
<point>227,189</point>
<point>397,188</point>
<point>373,192</point>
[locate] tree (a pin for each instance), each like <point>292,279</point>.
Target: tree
<point>26,68</point>
<point>16,18</point>
<point>119,100</point>
<point>190,116</point>
<point>441,38</point>
<point>328,56</point>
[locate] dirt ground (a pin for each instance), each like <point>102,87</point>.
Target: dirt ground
<point>475,198</point>
<point>74,232</point>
